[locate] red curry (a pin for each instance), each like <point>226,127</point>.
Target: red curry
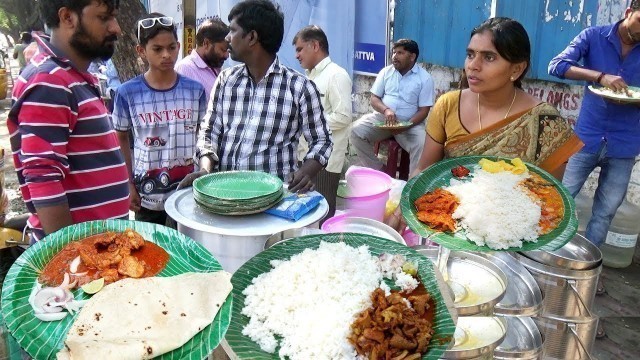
<point>111,255</point>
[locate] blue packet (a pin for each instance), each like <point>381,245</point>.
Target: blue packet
<point>295,206</point>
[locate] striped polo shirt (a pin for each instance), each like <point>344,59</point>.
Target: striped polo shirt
<point>64,146</point>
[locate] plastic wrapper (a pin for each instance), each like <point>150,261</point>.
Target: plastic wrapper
<point>394,196</point>
<point>295,206</point>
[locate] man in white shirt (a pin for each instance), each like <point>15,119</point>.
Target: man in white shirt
<point>401,96</point>
<point>333,82</point>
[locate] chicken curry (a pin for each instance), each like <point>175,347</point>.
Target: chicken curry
<point>110,255</point>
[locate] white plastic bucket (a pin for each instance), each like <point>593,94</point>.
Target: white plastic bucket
<point>367,192</point>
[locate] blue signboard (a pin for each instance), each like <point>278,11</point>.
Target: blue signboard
<point>369,58</point>
<point>370,48</point>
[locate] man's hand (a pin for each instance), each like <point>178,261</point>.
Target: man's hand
<point>189,179</point>
<point>615,83</point>
<point>301,181</point>
<point>390,118</point>
<point>134,200</point>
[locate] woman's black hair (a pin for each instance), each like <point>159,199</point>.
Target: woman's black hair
<point>511,41</point>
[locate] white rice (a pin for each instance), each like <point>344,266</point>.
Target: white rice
<point>311,300</point>
<point>495,211</point>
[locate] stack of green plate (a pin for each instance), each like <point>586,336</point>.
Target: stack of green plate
<point>237,192</point>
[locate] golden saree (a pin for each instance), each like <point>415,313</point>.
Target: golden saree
<point>539,136</point>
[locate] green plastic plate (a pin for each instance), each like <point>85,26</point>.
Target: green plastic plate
<point>399,125</point>
<point>246,204</point>
<point>439,175</point>
<point>239,210</point>
<point>237,185</point>
<point>43,340</point>
<point>245,348</point>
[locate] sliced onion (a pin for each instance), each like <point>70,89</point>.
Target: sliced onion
<point>79,274</point>
<point>73,267</point>
<point>51,316</point>
<point>65,282</point>
<point>47,295</point>
<point>75,305</point>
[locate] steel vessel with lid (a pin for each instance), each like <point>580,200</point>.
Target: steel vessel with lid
<point>523,340</point>
<point>477,283</point>
<point>577,254</point>
<point>567,277</point>
<point>476,337</point>
<point>523,296</point>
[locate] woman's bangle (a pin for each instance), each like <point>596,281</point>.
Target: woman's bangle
<point>599,78</point>
<point>385,110</point>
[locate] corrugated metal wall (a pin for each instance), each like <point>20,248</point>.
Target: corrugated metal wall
<point>442,27</point>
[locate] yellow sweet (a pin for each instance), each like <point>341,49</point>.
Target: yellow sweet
<point>517,166</point>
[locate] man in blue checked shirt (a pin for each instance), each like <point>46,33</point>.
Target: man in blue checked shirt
<point>260,108</point>
<point>607,56</point>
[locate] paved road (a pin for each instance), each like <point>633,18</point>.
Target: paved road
<point>16,206</point>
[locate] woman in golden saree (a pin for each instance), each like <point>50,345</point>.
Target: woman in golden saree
<point>494,116</point>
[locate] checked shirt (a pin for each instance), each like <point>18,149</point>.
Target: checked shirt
<point>252,126</point>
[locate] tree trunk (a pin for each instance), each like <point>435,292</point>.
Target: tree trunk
<point>125,58</point>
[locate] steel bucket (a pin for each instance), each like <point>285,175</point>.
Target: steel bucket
<point>567,294</point>
<point>564,339</point>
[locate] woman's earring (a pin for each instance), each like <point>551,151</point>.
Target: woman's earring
<point>511,78</point>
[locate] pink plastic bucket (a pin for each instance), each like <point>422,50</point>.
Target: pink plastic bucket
<point>367,192</point>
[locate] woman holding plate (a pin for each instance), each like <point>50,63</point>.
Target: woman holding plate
<point>494,115</point>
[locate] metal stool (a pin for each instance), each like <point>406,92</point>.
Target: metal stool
<point>395,151</point>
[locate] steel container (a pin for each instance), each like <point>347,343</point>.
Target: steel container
<point>577,254</point>
<point>289,235</point>
<point>476,337</point>
<point>360,225</point>
<point>567,339</point>
<point>477,283</point>
<point>232,239</point>
<point>566,293</point>
<point>523,340</point>
<point>523,296</point>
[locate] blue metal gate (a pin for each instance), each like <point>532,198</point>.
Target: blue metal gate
<point>442,27</point>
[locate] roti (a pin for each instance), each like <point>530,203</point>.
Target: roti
<point>144,318</point>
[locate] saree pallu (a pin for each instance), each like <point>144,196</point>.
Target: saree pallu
<point>539,136</point>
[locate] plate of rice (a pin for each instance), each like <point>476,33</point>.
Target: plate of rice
<point>299,298</point>
<point>631,97</point>
<point>493,212</point>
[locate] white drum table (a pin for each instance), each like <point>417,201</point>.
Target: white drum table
<point>232,239</point>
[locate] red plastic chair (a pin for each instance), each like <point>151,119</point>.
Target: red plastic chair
<point>394,168</point>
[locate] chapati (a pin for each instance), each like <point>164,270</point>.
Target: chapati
<point>144,318</point>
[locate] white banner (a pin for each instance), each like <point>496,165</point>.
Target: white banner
<point>335,17</point>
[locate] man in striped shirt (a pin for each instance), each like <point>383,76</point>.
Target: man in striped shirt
<point>206,60</point>
<point>65,149</point>
<point>259,109</point>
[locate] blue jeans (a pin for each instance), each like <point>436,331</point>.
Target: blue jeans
<point>611,190</point>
